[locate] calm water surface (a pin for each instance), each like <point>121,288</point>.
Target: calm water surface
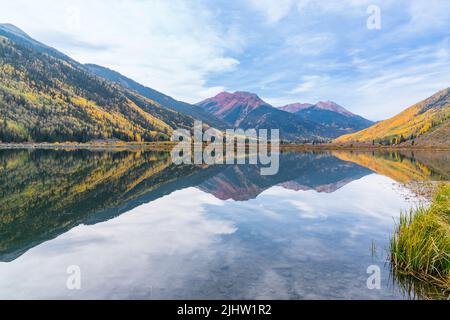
<point>141,228</point>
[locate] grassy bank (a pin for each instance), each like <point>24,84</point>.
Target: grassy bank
<point>420,247</point>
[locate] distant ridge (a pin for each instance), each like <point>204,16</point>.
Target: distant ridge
<point>193,111</point>
<point>247,110</point>
<point>336,119</point>
<point>295,107</point>
<point>14,30</point>
<point>19,36</point>
<point>327,105</point>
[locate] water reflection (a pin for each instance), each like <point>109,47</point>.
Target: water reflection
<point>197,232</point>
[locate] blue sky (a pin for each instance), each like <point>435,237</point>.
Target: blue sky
<point>285,51</point>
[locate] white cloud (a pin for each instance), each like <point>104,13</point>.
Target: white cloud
<point>311,44</point>
<point>426,15</point>
<point>310,83</point>
<point>388,86</point>
<point>343,6</point>
<point>172,46</point>
<point>274,11</point>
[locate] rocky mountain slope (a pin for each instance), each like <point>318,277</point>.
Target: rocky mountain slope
<point>336,119</point>
<point>182,107</point>
<point>246,110</point>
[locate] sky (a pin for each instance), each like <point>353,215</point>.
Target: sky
<point>285,51</point>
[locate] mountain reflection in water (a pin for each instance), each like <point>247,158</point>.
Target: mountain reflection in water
<point>46,193</point>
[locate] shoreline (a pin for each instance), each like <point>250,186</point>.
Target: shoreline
<point>157,146</point>
<point>294,147</point>
<point>167,146</point>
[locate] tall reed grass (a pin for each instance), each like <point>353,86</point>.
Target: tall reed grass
<point>420,247</point>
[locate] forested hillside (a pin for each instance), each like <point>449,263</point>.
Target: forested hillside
<point>46,96</point>
<point>425,123</point>
<point>169,102</point>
